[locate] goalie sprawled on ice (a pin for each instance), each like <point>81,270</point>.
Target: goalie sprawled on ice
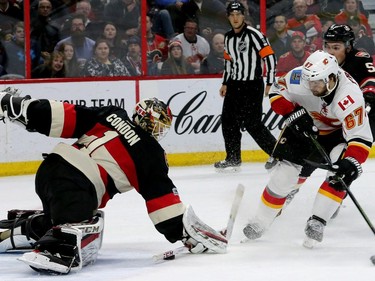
<point>113,154</point>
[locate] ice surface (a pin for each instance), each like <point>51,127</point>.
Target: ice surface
<point>130,239</point>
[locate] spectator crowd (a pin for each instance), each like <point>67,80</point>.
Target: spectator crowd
<point>87,38</point>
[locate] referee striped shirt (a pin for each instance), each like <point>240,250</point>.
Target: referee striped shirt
<point>244,55</point>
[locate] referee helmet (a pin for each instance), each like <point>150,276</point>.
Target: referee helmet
<point>235,6</point>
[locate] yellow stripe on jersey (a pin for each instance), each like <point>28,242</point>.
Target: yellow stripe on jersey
<point>359,144</point>
<point>275,97</point>
<point>330,195</point>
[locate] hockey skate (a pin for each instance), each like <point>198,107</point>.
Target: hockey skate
<point>226,166</point>
<point>254,230</point>
<point>314,231</point>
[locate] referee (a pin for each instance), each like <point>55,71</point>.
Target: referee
<point>243,87</point>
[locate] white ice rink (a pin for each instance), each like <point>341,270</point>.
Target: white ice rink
<point>130,239</point>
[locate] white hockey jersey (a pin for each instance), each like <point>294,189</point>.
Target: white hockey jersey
<point>343,109</point>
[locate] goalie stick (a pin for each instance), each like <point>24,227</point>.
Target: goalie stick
<point>227,231</point>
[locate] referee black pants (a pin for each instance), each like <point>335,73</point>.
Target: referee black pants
<point>242,108</point>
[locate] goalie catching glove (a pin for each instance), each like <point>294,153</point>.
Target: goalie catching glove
<point>301,122</point>
<point>347,169</point>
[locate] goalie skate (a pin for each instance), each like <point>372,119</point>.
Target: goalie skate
<point>47,263</point>
<point>201,233</point>
<point>67,247</point>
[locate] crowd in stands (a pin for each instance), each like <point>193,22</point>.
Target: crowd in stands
<point>86,38</point>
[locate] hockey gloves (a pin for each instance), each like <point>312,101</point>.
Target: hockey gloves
<point>193,245</point>
<point>348,169</point>
<point>301,122</point>
<point>369,95</point>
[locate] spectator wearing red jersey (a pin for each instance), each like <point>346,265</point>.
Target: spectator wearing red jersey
<point>308,24</point>
<point>295,57</point>
<point>351,10</point>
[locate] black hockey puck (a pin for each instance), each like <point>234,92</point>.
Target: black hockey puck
<point>373,259</point>
<point>170,258</point>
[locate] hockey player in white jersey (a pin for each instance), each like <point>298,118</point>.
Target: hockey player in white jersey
<point>318,100</point>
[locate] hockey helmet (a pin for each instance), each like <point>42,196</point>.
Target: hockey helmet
<point>320,66</point>
<point>153,116</point>
<point>235,6</point>
<point>339,33</point>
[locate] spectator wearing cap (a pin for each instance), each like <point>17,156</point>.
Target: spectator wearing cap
<point>176,63</point>
<point>295,57</point>
<point>133,59</point>
<point>195,47</point>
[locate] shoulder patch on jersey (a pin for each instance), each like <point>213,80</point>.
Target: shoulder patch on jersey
<point>295,76</point>
<point>346,102</point>
<point>362,54</point>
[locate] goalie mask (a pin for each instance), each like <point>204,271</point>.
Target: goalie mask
<point>153,116</point>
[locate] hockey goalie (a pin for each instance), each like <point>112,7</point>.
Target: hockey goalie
<point>113,154</point>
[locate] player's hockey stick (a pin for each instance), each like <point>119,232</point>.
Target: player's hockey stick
<point>227,232</point>
<point>329,166</point>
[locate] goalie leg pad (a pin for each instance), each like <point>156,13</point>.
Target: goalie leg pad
<point>57,252</point>
<point>67,247</point>
<point>92,238</point>
<point>22,229</point>
<point>200,237</point>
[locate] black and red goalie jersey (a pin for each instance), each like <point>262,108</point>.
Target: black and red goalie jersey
<point>114,153</point>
